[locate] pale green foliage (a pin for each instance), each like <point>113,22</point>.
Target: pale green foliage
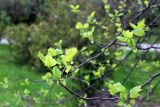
<point>123,39</point>
<point>57,61</point>
<point>41,56</point>
<point>56,73</point>
<point>128,36</point>
<point>122,92</point>
<point>116,88</point>
<point>90,18</point>
<point>79,25</point>
<point>134,92</point>
<point>74,9</point>
<point>51,52</point>
<point>85,30</point>
<point>139,30</point>
<point>68,68</point>
<point>99,72</point>
<point>49,61</point>
<point>70,53</point>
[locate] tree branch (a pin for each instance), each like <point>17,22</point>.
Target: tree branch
<point>85,98</point>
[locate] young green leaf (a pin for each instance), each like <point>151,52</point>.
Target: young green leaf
<point>49,61</point>
<point>141,24</point>
<point>79,25</point>
<point>58,51</point>
<point>70,53</point>
<point>123,39</point>
<point>56,73</point>
<point>91,17</point>
<point>51,51</point>
<point>139,32</point>
<point>133,25</point>
<point>115,88</point>
<point>131,43</point>
<point>86,26</point>
<point>41,56</point>
<point>127,34</point>
<point>119,87</point>
<point>68,69</point>
<point>134,92</point>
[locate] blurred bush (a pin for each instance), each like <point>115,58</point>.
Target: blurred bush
<point>4,21</point>
<point>54,22</point>
<point>20,10</point>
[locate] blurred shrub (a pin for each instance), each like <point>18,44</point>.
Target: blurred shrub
<point>20,10</point>
<point>54,22</point>
<point>4,21</point>
<point>27,40</point>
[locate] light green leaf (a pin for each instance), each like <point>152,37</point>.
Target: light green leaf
<point>134,92</point>
<point>127,34</point>
<point>112,89</point>
<point>123,39</point>
<point>86,77</point>
<point>77,7</point>
<point>119,87</point>
<point>131,43</point>
<point>79,25</point>
<point>141,24</point>
<point>58,51</point>
<point>139,32</point>
<point>56,73</point>
<point>49,61</point>
<point>135,50</point>
<point>51,51</point>
<point>123,95</point>
<point>68,69</point>
<point>70,53</point>
<point>64,82</point>
<point>41,56</point>
<point>133,25</point>
<point>85,26</point>
<point>115,88</point>
<point>91,17</point>
<point>97,73</point>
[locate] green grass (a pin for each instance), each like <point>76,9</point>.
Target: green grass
<point>14,96</point>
